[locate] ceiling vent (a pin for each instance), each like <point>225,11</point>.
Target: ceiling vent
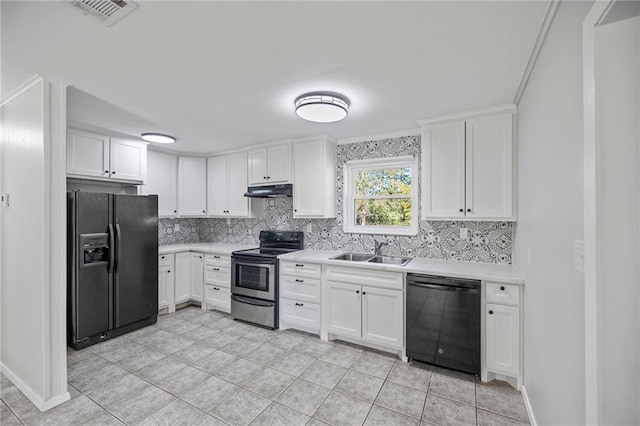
<point>105,11</point>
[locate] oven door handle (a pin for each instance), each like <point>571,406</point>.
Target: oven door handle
<point>253,302</point>
<point>261,263</point>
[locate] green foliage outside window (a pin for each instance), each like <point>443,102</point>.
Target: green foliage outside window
<point>383,197</point>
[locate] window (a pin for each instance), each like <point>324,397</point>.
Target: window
<point>380,196</point>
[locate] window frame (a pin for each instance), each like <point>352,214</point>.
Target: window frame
<point>350,171</point>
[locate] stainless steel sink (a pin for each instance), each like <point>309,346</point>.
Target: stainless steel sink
<point>390,260</point>
<point>353,257</point>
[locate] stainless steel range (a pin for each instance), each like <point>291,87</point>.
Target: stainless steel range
<point>254,277</point>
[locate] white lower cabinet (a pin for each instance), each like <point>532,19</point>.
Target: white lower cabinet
<point>503,339</point>
<point>166,282</point>
<point>183,278</point>
<point>300,296</point>
<point>197,277</point>
<point>217,282</point>
<point>367,305</point>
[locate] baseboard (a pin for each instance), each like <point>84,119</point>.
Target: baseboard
<point>527,404</point>
<point>37,400</point>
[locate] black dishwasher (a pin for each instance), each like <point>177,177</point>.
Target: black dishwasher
<point>443,321</point>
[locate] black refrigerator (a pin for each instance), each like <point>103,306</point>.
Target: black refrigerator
<point>112,258</point>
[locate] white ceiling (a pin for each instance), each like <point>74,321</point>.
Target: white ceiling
<point>221,75</point>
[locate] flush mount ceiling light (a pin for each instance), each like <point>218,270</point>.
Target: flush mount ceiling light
<point>322,107</point>
<point>158,138</point>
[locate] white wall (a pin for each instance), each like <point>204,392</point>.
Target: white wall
<point>32,242</point>
<point>617,53</point>
<point>550,218</point>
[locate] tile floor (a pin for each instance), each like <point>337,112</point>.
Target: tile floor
<point>197,368</point>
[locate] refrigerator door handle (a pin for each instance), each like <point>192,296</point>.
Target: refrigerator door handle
<point>118,239</point>
<point>112,249</point>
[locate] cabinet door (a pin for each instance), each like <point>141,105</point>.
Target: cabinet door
<point>382,316</point>
<point>163,284</point>
<point>192,186</point>
<point>183,277</point>
<point>279,163</point>
<point>343,309</point>
<point>237,185</point>
<point>309,169</point>
<point>258,166</point>
<point>489,167</point>
<point>197,276</point>
<point>217,197</point>
<point>443,171</point>
<point>87,154</point>
<point>503,339</point>
<point>128,160</point>
<point>162,179</point>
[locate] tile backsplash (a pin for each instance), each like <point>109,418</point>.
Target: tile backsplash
<point>486,241</point>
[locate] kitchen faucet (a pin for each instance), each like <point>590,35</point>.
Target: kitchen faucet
<point>378,246</point>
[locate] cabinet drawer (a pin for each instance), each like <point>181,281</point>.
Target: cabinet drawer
<point>218,260</point>
<point>300,313</point>
<point>384,279</point>
<point>165,260</point>
<point>301,269</point>
<point>217,276</point>
<point>503,293</point>
<point>305,289</point>
<point>218,297</point>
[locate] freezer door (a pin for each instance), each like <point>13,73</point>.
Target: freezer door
<point>136,258</point>
<point>89,285</point>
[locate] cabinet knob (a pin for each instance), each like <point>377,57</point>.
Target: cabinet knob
<point>216,269</point>
<point>106,171</point>
<point>469,210</point>
<point>268,177</point>
<point>357,291</point>
<point>299,281</point>
<point>364,292</point>
<point>299,304</point>
<point>175,211</point>
<point>161,257</point>
<point>461,210</point>
<point>203,211</point>
<point>168,271</point>
<point>113,173</point>
<point>490,312</point>
<point>264,177</point>
<point>216,288</point>
<point>295,210</point>
<point>299,265</point>
<point>502,288</point>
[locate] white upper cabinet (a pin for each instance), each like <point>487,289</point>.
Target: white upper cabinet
<point>128,160</point>
<point>100,157</point>
<point>162,179</point>
<point>226,185</point>
<point>467,166</point>
<point>314,191</point>
<point>192,186</point>
<point>270,165</point>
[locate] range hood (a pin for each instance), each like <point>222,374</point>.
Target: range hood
<point>270,191</point>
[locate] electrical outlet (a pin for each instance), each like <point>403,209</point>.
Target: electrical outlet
<point>228,221</point>
<point>578,255</point>
<point>176,227</point>
<point>309,227</point>
<point>4,200</point>
<point>464,233</point>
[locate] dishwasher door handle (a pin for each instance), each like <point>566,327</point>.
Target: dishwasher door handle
<point>445,287</point>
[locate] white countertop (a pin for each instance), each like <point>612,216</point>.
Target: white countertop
<point>474,270</point>
<point>214,248</point>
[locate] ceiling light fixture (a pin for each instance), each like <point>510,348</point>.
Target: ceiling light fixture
<point>158,138</point>
<point>322,107</point>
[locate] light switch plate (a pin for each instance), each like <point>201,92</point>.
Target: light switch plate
<point>309,227</point>
<point>176,227</point>
<point>4,200</point>
<point>464,233</point>
<point>578,255</point>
